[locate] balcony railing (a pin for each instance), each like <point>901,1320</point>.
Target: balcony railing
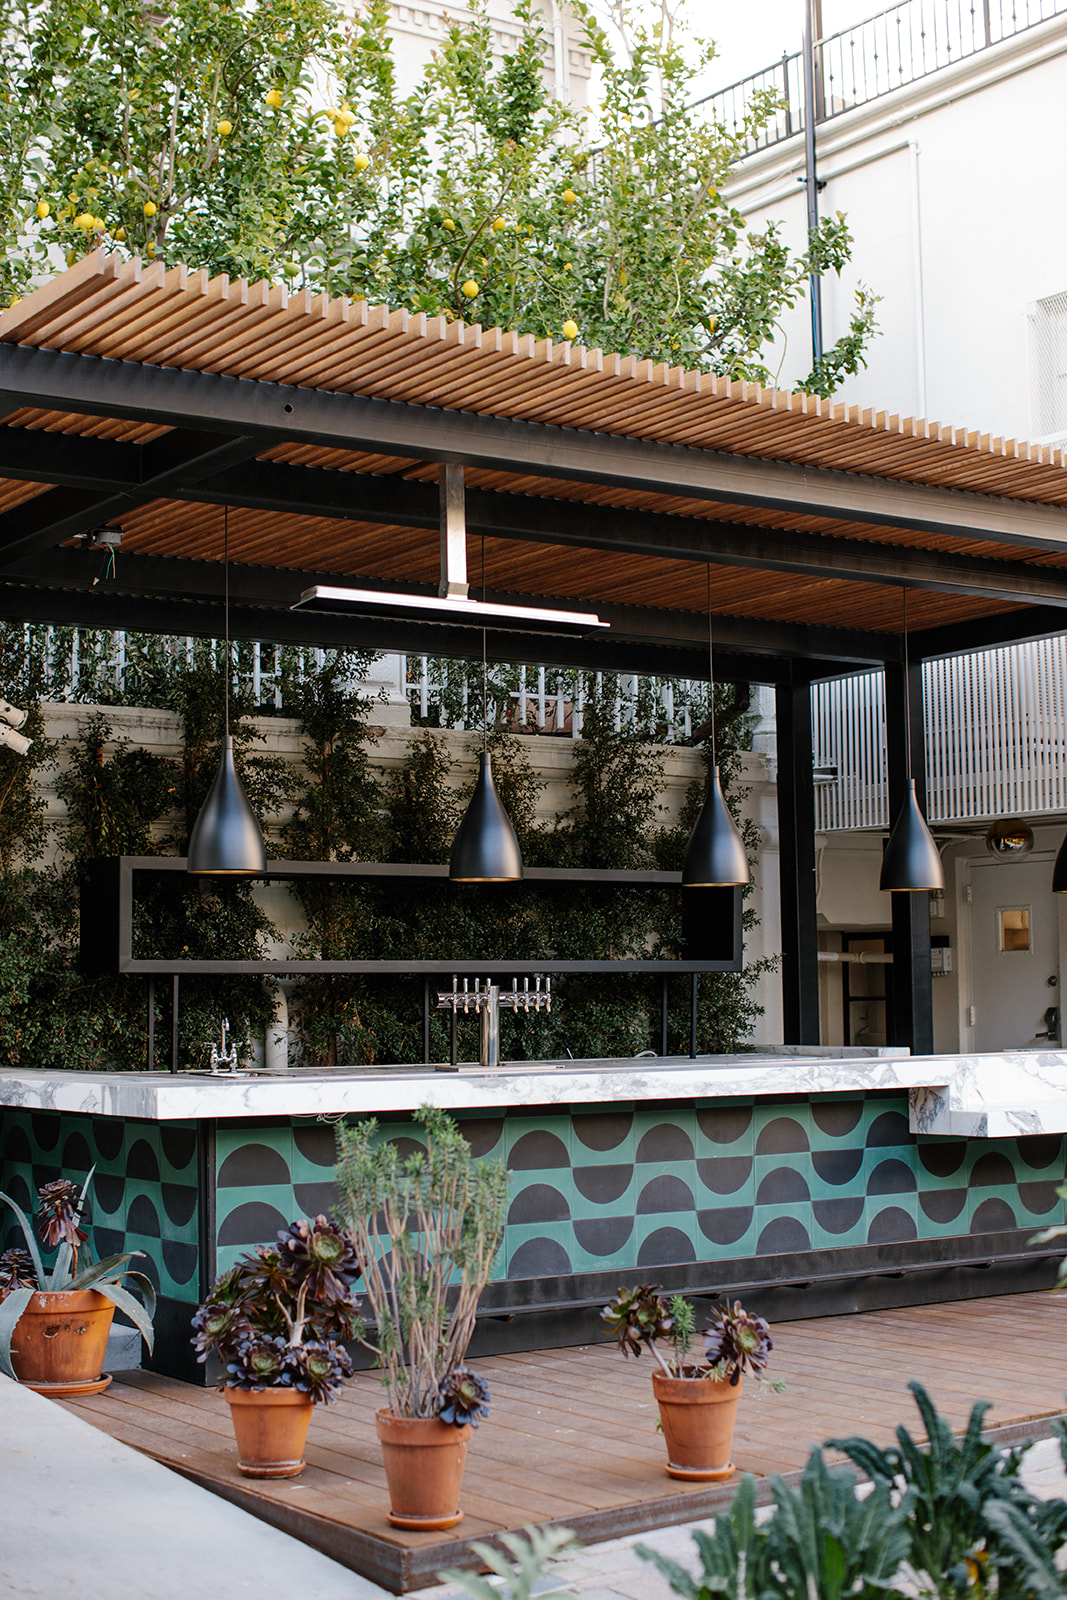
<point>899,46</point>
<point>996,738</point>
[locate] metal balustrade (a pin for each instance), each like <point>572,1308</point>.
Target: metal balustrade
<point>996,739</point>
<point>898,46</point>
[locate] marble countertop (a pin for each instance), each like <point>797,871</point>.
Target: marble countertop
<point>974,1096</point>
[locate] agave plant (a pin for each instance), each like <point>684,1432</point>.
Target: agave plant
<point>280,1318</point>
<point>61,1209</point>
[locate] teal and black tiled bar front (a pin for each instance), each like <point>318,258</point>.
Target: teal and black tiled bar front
<point>804,1183</point>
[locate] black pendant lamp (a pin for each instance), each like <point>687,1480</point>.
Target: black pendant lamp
<point>226,840</point>
<point>486,848</point>
<point>1059,871</point>
<point>912,862</point>
<point>715,855</point>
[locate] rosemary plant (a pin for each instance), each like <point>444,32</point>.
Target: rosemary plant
<point>427,1228</point>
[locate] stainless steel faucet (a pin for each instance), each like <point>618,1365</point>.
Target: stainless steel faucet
<point>486,999</point>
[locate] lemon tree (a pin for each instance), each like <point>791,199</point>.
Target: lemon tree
<point>269,139</point>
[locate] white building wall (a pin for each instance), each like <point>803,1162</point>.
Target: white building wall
<point>951,191</point>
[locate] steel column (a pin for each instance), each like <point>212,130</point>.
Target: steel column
<point>796,832</point>
<point>913,989</point>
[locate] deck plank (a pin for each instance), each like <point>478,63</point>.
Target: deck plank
<point>572,1435</point>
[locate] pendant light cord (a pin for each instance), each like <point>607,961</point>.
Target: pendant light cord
<point>226,618</point>
<point>907,687</point>
<point>711,678</point>
<point>485,691</point>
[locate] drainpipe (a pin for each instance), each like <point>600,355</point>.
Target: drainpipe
<point>917,279</point>
<point>812,31</point>
<point>562,74</point>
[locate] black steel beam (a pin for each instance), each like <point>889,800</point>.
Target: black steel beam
<point>912,977</point>
<point>60,513</point>
<point>142,579</point>
<point>275,413</point>
<point>983,633</point>
<point>796,861</point>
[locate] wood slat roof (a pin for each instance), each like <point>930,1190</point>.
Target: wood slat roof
<point>812,548</point>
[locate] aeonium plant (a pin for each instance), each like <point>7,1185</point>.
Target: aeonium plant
<point>280,1317</point>
<point>735,1341</point>
<point>23,1273</point>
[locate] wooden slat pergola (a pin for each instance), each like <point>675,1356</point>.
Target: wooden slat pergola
<point>152,398</point>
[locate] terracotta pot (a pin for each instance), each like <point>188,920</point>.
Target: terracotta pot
<point>424,1468</point>
<point>271,1426</point>
<point>60,1341</point>
<point>698,1416</point>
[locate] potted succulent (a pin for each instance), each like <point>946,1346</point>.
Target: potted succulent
<point>278,1321</point>
<point>427,1228</point>
<point>697,1401</point>
<point>54,1321</point>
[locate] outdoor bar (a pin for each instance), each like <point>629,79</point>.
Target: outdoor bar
<point>352,444</point>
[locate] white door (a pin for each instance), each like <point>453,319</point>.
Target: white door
<point>1014,951</point>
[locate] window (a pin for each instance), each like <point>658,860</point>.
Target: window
<point>1013,928</point>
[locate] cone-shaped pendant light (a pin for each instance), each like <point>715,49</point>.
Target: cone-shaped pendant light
<point>226,840</point>
<point>715,855</point>
<point>912,862</point>
<point>486,847</point>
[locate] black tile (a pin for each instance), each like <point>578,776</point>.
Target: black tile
<point>603,1236</point>
<point>483,1134</point>
<point>142,1162</point>
<point>725,1126</point>
<point>993,1216</point>
<point>784,1236</point>
<point>537,1151</point>
<point>943,1158</point>
<point>665,1142</point>
<point>726,1224</point>
<point>1040,1149</point>
<point>603,1185</point>
<point>891,1225</point>
<point>943,1205</point>
<point>888,1129</point>
<point>891,1177</point>
<point>724,1174</point>
<point>16,1145</point>
<point>316,1144</point>
<point>178,1146</point>
<point>47,1127</point>
<point>603,1130</point>
<point>143,1218</point>
<point>780,1137</point>
<point>840,1214</point>
<point>1039,1198</point>
<point>108,1193</point>
<point>180,1260</point>
<point>253,1166</point>
<point>253,1223</point>
<point>77,1158</point>
<point>782,1186</point>
<point>315,1199</point>
<point>666,1247</point>
<point>992,1168</point>
<point>837,1166</point>
<point>664,1193</point>
<point>179,1203</point>
<point>540,1258</point>
<point>836,1118</point>
<point>539,1202</point>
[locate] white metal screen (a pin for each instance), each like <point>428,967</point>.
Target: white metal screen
<point>996,738</point>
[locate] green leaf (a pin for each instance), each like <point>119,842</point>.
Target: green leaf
<point>28,1235</point>
<point>11,1309</point>
<point>125,1302</point>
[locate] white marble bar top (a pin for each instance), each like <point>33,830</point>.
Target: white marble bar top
<point>974,1096</point>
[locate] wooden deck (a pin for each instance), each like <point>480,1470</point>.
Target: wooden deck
<point>572,1436</point>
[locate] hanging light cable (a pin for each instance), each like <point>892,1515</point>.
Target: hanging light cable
<point>912,862</point>
<point>486,848</point>
<point>715,855</point>
<point>226,840</point>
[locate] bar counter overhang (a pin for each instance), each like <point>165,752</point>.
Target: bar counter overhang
<point>807,1182</point>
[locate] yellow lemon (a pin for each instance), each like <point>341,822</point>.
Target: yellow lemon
<point>346,115</point>
<point>119,234</point>
<point>98,222</point>
<point>449,224</point>
<point>273,97</point>
<point>150,249</point>
<point>84,221</point>
<point>223,127</point>
<point>361,161</point>
<point>43,209</point>
<point>570,329</point>
<point>150,208</point>
<point>569,196</point>
<point>470,288</point>
<point>499,224</point>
